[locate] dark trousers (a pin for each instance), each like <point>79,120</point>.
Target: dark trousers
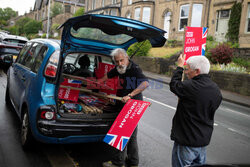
<point>130,152</point>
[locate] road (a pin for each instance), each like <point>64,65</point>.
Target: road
<point>230,142</point>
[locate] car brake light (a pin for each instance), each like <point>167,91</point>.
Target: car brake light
<point>51,68</point>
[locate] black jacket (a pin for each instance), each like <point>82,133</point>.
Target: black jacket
<point>199,98</point>
<point>130,80</point>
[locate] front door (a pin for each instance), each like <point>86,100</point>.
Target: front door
<point>222,25</point>
<point>167,24</point>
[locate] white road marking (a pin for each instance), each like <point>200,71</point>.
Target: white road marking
<point>215,124</point>
<point>235,112</point>
<point>160,103</point>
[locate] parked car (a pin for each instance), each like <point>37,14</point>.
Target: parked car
<point>10,45</point>
<point>42,84</point>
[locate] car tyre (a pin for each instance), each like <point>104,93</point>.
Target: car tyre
<point>27,139</point>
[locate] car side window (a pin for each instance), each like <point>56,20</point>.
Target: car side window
<point>23,52</point>
<point>39,58</point>
<point>31,55</point>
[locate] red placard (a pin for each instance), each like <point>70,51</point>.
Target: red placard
<point>67,93</point>
<point>195,41</point>
<point>125,123</point>
<point>104,68</point>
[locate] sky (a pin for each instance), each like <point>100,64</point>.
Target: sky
<point>21,6</point>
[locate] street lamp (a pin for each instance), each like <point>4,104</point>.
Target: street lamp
<point>47,35</point>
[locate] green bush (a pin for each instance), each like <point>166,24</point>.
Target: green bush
<point>143,50</point>
<point>233,44</point>
<point>56,9</point>
<point>32,27</point>
<point>43,36</point>
<point>32,36</point>
<point>242,62</point>
<point>210,38</point>
<point>222,54</point>
<point>234,22</point>
<point>79,12</point>
<point>210,45</point>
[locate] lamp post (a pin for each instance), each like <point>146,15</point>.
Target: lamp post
<point>47,35</point>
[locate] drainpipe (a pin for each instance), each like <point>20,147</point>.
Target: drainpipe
<point>153,18</point>
<point>47,35</point>
<point>208,13</point>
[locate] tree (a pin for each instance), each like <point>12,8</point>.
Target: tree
<point>32,27</point>
<point>20,24</point>
<point>79,12</point>
<point>56,9</point>
<point>5,15</point>
<point>234,23</point>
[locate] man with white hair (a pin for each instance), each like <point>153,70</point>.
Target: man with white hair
<point>132,82</point>
<point>192,125</point>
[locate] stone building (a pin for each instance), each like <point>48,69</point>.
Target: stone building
<point>40,11</point>
<point>174,15</point>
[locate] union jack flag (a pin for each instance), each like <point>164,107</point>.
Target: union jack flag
<point>203,49</point>
<point>116,141</point>
<point>204,32</point>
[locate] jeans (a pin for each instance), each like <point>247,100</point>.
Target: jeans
<point>130,151</point>
<point>185,156</point>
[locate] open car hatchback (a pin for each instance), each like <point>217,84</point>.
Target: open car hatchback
<point>52,84</point>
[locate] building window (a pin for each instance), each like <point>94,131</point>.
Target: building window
<point>196,15</point>
<point>93,4</point>
<point>248,18</point>
<point>113,12</point>
<point>146,15</point>
<point>114,1</point>
<point>103,3</point>
<point>137,13</point>
<point>129,2</point>
<point>128,15</point>
<point>184,12</point>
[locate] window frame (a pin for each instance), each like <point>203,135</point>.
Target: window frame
<point>181,17</point>
<point>195,14</point>
<point>139,17</point>
<point>20,57</point>
<point>43,54</point>
<point>143,18</point>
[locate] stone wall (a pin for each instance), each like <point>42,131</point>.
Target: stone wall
<point>242,53</point>
<point>231,81</point>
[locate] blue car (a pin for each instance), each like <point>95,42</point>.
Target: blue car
<point>47,88</point>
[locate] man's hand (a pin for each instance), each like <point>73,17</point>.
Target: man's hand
<point>181,60</point>
<point>125,99</point>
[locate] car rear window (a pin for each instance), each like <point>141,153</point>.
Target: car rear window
<point>16,41</point>
<point>97,34</point>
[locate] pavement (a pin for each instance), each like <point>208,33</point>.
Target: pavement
<point>226,95</point>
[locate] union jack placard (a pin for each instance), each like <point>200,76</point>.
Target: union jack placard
<point>195,41</point>
<point>125,123</point>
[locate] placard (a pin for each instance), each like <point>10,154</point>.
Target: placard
<point>125,123</point>
<point>195,41</point>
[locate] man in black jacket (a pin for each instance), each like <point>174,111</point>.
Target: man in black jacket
<point>192,125</point>
<point>132,82</point>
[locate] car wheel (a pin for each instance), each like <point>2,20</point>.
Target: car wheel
<point>27,139</point>
<point>7,97</point>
